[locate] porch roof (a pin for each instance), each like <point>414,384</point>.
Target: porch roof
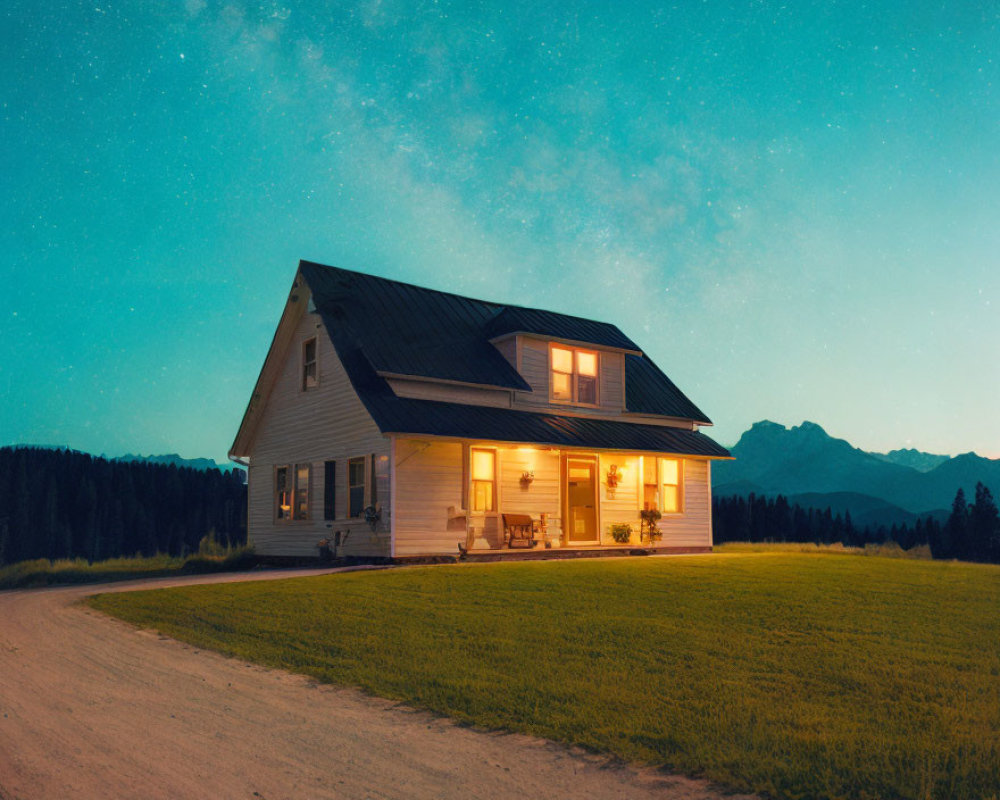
<point>410,416</point>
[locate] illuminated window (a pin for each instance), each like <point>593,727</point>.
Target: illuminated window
<point>291,492</point>
<point>356,486</point>
<point>574,375</point>
<point>670,485</point>
<point>483,484</point>
<point>301,491</point>
<point>282,493</point>
<point>650,486</point>
<point>309,370</point>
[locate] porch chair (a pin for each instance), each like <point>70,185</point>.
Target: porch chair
<point>519,530</point>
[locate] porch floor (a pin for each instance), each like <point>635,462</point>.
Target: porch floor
<point>541,554</point>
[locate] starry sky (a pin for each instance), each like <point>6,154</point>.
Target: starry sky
<point>793,208</point>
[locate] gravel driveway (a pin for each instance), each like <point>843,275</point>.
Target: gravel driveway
<point>93,708</point>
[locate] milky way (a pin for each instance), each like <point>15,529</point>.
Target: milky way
<point>793,208</point>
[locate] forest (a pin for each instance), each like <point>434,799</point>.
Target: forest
<point>57,503</point>
<point>970,533</point>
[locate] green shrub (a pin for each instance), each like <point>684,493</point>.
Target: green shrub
<point>621,532</point>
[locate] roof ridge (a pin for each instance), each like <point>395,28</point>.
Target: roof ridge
<point>499,307</point>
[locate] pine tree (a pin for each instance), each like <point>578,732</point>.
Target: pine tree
<point>983,527</point>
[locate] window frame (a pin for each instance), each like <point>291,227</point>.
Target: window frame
<point>351,486</point>
<point>646,483</point>
<point>298,491</point>
<point>473,481</point>
<point>282,511</point>
<point>292,493</point>
<point>304,384</point>
<point>679,486</point>
<point>574,376</point>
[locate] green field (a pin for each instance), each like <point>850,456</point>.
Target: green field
<point>800,675</point>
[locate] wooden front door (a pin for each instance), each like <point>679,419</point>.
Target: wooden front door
<point>581,500</point>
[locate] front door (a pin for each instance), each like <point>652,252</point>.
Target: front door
<point>581,500</point>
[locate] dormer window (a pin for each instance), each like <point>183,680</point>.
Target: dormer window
<point>574,375</point>
<point>309,371</point>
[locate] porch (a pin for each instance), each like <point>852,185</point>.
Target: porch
<point>453,497</point>
<point>545,554</point>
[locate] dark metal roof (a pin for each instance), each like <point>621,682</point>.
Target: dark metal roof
<point>649,391</point>
<point>406,415</point>
<point>391,327</point>
<point>515,319</point>
<point>408,330</point>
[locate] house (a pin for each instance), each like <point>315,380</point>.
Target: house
<point>397,421</point>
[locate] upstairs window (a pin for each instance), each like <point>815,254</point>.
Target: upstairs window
<point>574,375</point>
<point>310,375</point>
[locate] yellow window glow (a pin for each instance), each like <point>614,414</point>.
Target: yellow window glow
<point>586,363</point>
<point>668,470</point>
<point>670,499</point>
<point>562,360</point>
<point>561,386</point>
<point>482,465</point>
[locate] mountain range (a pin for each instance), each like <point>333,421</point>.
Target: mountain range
<point>177,461</point>
<point>812,468</point>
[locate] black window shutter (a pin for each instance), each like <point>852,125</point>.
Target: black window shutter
<point>329,490</point>
<point>374,483</point>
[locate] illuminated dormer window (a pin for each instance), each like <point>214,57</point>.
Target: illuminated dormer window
<point>573,375</point>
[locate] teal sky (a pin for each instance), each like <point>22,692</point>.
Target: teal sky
<point>794,208</point>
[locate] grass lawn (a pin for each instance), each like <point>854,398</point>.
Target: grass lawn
<point>801,675</point>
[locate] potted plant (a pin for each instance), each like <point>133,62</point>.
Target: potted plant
<point>648,527</point>
<point>621,532</point>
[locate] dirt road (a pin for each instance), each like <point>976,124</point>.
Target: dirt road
<point>93,708</point>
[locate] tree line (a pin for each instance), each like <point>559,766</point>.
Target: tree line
<point>971,531</point>
<point>65,504</point>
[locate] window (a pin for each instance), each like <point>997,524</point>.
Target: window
<point>329,490</point>
<point>670,484</point>
<point>650,486</point>
<point>483,484</point>
<point>291,492</point>
<point>574,375</point>
<point>356,486</point>
<point>301,504</point>
<point>282,494</point>
<point>310,375</point>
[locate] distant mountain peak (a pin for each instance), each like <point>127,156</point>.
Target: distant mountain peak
<point>910,457</point>
<point>176,460</point>
<point>771,459</point>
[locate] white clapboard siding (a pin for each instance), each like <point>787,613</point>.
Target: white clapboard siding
<point>690,528</point>
<point>450,393</point>
<point>620,504</point>
<point>428,482</point>
<point>325,423</point>
<point>539,496</point>
<point>534,356</point>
